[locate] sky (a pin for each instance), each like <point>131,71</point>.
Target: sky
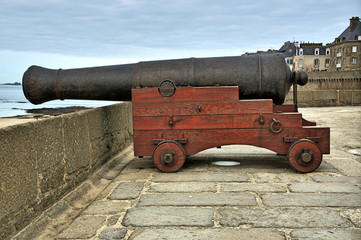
<point>85,33</point>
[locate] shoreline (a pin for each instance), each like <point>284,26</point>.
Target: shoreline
<point>38,114</point>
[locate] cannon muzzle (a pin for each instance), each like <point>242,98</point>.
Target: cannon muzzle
<point>259,76</point>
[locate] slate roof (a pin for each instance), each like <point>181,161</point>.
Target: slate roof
<point>347,35</point>
<point>285,49</point>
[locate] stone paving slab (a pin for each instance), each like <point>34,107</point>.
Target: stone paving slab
<point>200,177</point>
<point>183,187</point>
<point>82,227</point>
<point>281,217</point>
<point>251,187</point>
<point>106,207</point>
<point>169,216</point>
<point>337,179</point>
<point>127,190</point>
<point>324,187</point>
<point>327,234</point>
<point>313,200</point>
<point>209,234</point>
<point>197,199</point>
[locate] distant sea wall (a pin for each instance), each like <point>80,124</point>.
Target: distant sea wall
<point>43,160</point>
<point>329,88</point>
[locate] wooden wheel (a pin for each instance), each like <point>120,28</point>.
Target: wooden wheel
<point>169,156</point>
<point>304,155</point>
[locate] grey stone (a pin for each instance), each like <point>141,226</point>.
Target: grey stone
<point>280,177</point>
<point>281,217</point>
<point>347,166</point>
<point>106,207</point>
<point>324,187</point>
<point>127,190</point>
<point>354,180</point>
<point>354,215</point>
<point>327,234</point>
<point>251,187</point>
<point>198,199</point>
<point>113,233</point>
<point>83,227</point>
<point>169,216</point>
<point>183,187</point>
<point>313,200</point>
<point>209,234</point>
<point>201,177</point>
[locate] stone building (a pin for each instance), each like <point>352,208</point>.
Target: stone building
<point>311,57</point>
<point>346,49</point>
<point>289,50</point>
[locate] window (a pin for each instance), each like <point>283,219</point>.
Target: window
<point>354,60</point>
<point>301,52</point>
<point>300,63</point>
<point>354,48</point>
<point>317,51</point>
<point>327,51</point>
<point>317,63</point>
<point>327,63</point>
<point>359,37</point>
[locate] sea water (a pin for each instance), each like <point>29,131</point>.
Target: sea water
<point>13,102</point>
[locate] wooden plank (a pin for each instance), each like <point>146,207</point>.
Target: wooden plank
<point>284,108</point>
<point>240,121</point>
<point>230,93</point>
<point>199,140</point>
<point>202,107</point>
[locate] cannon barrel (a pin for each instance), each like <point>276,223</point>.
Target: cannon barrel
<point>259,76</point>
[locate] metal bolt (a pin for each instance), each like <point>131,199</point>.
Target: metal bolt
<point>306,157</point>
<point>168,158</point>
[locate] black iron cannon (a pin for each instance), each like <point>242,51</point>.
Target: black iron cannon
<point>259,76</point>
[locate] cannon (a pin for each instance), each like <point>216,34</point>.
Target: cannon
<point>184,106</point>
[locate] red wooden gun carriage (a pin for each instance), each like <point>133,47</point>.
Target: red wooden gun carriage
<point>182,107</point>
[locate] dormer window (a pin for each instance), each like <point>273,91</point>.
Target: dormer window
<point>327,51</point>
<point>301,51</point>
<point>317,51</point>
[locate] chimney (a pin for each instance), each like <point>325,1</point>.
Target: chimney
<point>353,23</point>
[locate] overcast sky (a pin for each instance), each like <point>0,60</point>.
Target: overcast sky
<point>81,33</point>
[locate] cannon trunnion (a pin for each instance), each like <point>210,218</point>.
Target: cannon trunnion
<point>181,107</point>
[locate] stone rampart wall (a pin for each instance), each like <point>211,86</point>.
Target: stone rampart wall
<point>43,160</point>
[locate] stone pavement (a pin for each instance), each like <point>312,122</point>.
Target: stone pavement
<point>261,198</point>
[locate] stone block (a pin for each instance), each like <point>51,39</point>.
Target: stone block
<point>327,234</point>
<point>354,215</point>
<point>325,95</point>
<point>251,187</point>
<point>169,216</point>
<point>345,97</point>
<point>264,177</point>
<point>49,143</point>
<point>18,178</point>
<point>83,227</point>
<point>356,97</point>
<point>281,218</point>
<point>113,233</point>
<point>324,187</point>
<point>348,166</point>
<point>127,190</point>
<point>106,208</point>
<point>337,179</point>
<point>313,200</point>
<point>198,199</point>
<point>76,143</point>
<point>183,187</point>
<point>207,233</point>
<point>201,177</point>
<point>304,97</point>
